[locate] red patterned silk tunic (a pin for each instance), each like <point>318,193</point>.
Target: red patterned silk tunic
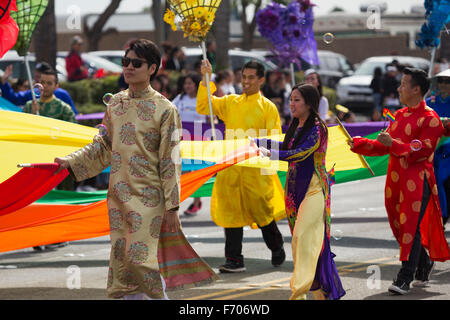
<point>416,132</point>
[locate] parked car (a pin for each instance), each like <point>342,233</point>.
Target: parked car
<point>94,63</point>
<point>114,56</point>
<point>354,92</point>
<point>19,69</point>
<point>237,58</point>
<point>331,68</point>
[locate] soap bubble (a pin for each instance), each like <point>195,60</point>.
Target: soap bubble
<point>102,131</point>
<point>38,89</point>
<point>337,234</point>
<point>55,132</point>
<point>328,37</point>
<point>107,98</point>
<point>416,145</point>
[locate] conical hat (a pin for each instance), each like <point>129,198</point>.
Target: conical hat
<point>445,73</point>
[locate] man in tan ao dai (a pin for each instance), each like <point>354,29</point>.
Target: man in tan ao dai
<point>144,188</point>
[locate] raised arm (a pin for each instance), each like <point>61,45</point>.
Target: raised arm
<point>218,103</point>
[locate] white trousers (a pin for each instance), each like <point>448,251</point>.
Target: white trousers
<point>143,296</point>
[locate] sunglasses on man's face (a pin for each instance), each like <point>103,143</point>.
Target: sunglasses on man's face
<point>137,63</point>
<point>444,80</point>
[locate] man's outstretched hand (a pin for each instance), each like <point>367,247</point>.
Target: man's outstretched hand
<point>63,164</point>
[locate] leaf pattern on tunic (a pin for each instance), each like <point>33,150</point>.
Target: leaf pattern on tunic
<point>138,253</point>
<point>150,196</point>
<point>128,133</point>
<point>151,140</point>
<point>138,166</point>
<point>146,110</point>
<point>122,191</point>
<point>115,219</point>
<point>134,221</point>
<point>116,162</point>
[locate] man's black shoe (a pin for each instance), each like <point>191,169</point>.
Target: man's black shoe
<point>399,287</point>
<point>232,267</point>
<point>422,276</point>
<point>278,257</point>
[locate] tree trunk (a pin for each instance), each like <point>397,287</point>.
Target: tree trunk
<point>44,36</point>
<point>222,35</point>
<point>94,34</point>
<point>248,29</point>
<point>158,14</point>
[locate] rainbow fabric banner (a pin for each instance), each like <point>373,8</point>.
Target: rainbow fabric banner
<point>67,216</point>
<point>388,114</point>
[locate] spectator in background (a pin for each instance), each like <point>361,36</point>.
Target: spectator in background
<point>227,85</point>
<point>211,53</point>
<point>389,88</point>
<point>287,115</point>
<point>176,60</point>
<point>75,66</point>
<point>197,67</point>
<point>48,104</point>
<point>441,104</point>
<point>21,97</point>
<point>440,65</point>
<point>21,85</point>
<point>237,82</point>
<point>274,90</point>
<point>376,86</point>
<point>186,103</point>
<point>313,78</point>
<point>167,48</point>
<point>160,84</point>
<point>219,81</point>
<point>399,69</point>
<point>157,84</point>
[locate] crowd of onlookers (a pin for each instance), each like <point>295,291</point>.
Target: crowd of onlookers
<point>182,91</point>
<point>384,86</point>
<point>277,87</point>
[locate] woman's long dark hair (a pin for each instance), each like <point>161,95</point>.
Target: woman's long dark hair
<point>194,77</point>
<point>320,86</point>
<point>311,96</point>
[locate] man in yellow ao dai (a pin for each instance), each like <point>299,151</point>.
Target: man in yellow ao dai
<point>244,196</point>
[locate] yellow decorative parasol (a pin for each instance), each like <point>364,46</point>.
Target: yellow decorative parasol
<point>197,17</point>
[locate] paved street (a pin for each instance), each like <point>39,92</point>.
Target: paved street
<point>366,255</point>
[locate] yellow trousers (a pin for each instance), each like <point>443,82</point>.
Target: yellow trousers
<point>307,241</point>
